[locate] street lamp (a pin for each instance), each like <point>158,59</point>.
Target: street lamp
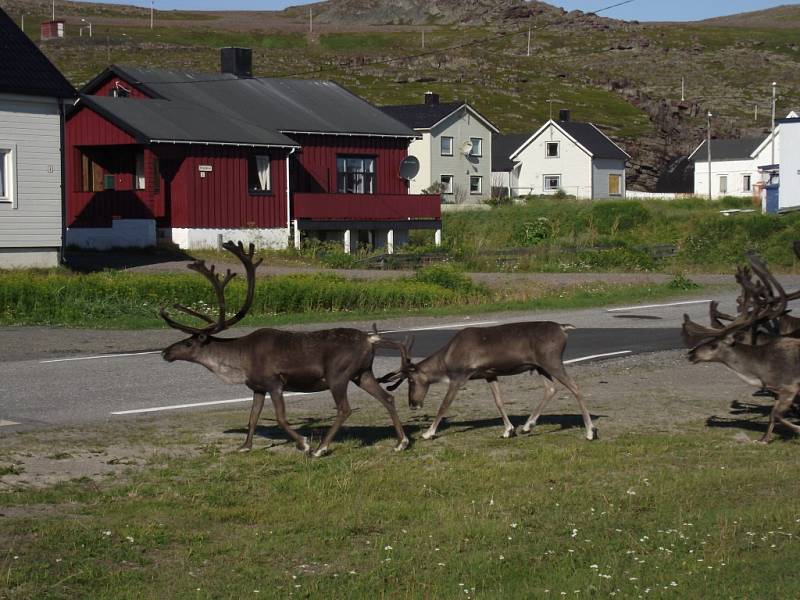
<point>708,148</point>
<point>774,87</point>
<point>87,26</point>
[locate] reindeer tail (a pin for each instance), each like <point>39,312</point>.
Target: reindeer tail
<point>565,327</point>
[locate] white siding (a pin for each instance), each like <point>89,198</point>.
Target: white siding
<point>789,193</point>
<point>733,170</point>
<point>30,128</point>
<point>461,126</point>
<point>573,164</point>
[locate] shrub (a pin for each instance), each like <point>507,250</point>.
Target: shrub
<point>446,276</point>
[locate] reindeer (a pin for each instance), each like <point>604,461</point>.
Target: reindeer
<point>488,353</point>
<point>752,344</point>
<point>271,361</point>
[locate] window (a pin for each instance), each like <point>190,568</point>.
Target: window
<point>475,184</point>
<point>91,175</point>
<point>138,178</point>
<point>551,149</point>
<point>5,175</point>
<point>746,183</point>
<point>477,147</point>
<point>259,178</point>
<point>723,184</point>
<point>355,175</point>
<point>447,146</point>
<point>552,182</point>
<point>447,184</point>
<point>615,185</point>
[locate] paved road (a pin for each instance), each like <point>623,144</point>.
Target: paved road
<point>79,389</point>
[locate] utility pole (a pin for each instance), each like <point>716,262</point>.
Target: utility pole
<point>23,23</point>
<point>529,41</point>
<point>683,89</point>
<point>423,38</point>
<point>755,115</point>
<point>310,21</point>
<point>152,2</point>
<point>708,148</point>
<point>774,88</point>
<point>54,10</point>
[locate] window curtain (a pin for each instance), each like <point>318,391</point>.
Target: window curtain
<point>262,170</point>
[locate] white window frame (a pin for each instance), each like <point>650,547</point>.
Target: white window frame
<point>480,184</point>
<point>7,164</point>
<point>449,186</point>
<point>441,145</point>
<point>547,149</point>
<point>549,188</point>
<point>477,146</point>
<point>747,183</point>
<point>719,184</point>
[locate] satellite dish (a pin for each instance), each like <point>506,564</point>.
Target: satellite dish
<point>466,148</point>
<point>409,167</point>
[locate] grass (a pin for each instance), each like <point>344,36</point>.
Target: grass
<point>131,300</point>
<point>563,235</point>
<point>548,516</point>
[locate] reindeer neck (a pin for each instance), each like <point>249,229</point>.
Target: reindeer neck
<point>433,367</point>
<point>224,357</point>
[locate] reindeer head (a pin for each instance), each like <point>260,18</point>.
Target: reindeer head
<point>713,350</point>
<point>191,348</point>
<point>418,382</point>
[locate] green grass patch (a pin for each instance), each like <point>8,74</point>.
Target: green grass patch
<point>466,516</point>
<point>131,300</point>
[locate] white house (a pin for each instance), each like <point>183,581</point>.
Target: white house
<point>734,166</point>
<point>455,150</point>
<point>786,172</point>
<point>32,100</point>
<point>576,158</point>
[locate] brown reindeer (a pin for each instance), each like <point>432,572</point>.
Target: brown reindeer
<point>272,361</point>
<point>488,353</point>
<point>753,344</point>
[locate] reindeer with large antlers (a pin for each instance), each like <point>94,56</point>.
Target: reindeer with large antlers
<point>752,344</point>
<point>271,361</point>
<point>488,353</point>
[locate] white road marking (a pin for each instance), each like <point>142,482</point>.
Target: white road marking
<point>627,308</point>
<point>450,326</point>
<point>585,358</point>
<point>196,404</point>
<point>55,360</point>
<point>4,423</point>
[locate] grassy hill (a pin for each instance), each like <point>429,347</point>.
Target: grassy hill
<point>624,76</point>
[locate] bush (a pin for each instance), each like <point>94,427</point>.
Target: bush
<point>446,276</point>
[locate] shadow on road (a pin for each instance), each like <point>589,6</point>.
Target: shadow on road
<point>87,261</point>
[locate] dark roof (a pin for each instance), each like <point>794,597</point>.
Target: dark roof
<point>176,121</point>
<point>503,146</point>
<point>24,69</point>
<point>594,140</point>
<point>276,105</point>
<point>727,149</point>
<point>421,116</point>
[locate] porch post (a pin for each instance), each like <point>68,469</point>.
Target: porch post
<point>437,237</point>
<point>347,241</point>
<point>296,227</point>
<point>390,241</point>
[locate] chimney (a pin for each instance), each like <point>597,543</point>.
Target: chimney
<point>236,61</point>
<point>563,115</point>
<point>431,99</point>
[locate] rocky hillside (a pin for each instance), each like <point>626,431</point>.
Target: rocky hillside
<point>624,76</point>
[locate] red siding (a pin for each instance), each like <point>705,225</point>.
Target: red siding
<point>87,128</point>
<point>106,88</point>
<point>366,207</point>
<point>317,161</point>
<point>221,198</point>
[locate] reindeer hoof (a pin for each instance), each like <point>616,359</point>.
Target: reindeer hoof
<point>428,435</point>
<point>320,452</point>
<point>593,435</point>
<point>244,448</point>
<point>526,428</point>
<point>762,441</point>
<point>509,433</point>
<point>402,445</point>
<point>304,447</point>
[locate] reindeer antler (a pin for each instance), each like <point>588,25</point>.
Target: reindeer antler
<point>219,283</point>
<point>405,367</point>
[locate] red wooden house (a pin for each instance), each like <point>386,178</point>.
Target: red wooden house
<point>195,158</point>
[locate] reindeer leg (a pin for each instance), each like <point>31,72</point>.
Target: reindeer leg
<point>549,392</point>
<point>508,428</point>
<point>561,375</point>
<point>452,391</point>
<point>343,411</point>
<point>255,413</point>
<point>280,414</point>
<point>368,383</point>
<point>782,404</point>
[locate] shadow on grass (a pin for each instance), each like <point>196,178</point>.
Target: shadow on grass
<point>368,435</point>
<point>752,419</point>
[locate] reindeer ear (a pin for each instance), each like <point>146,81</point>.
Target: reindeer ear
<point>729,340</point>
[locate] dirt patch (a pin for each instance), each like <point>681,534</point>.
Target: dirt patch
<point>659,392</point>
